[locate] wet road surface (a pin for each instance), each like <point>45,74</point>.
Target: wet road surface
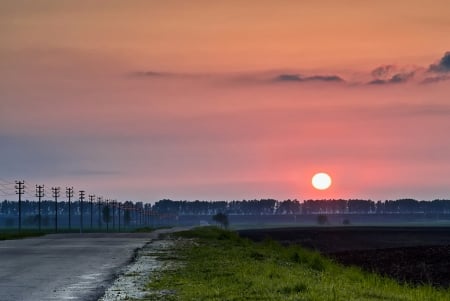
<point>65,266</point>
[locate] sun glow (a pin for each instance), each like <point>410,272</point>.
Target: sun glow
<point>321,181</point>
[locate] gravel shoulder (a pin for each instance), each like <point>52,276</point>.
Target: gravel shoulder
<point>132,282</point>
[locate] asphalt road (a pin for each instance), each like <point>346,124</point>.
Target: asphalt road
<point>64,266</point>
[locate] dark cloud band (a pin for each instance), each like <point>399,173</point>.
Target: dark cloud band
<point>298,78</point>
<point>443,65</point>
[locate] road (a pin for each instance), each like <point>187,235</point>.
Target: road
<point>65,266</point>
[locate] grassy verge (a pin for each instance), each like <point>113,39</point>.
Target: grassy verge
<point>218,265</point>
<point>17,235</point>
<point>143,230</point>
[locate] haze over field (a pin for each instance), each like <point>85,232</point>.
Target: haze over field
<point>233,100</point>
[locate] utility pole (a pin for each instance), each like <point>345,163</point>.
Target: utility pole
<point>118,208</point>
<point>39,194</point>
<point>20,186</point>
<point>91,203</point>
<point>136,215</point>
<point>55,194</point>
<point>99,203</point>
<point>81,210</point>
<point>107,216</point>
<point>69,195</point>
<point>114,211</point>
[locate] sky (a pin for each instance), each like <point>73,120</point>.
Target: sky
<point>145,100</point>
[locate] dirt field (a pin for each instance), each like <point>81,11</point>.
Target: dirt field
<point>410,254</point>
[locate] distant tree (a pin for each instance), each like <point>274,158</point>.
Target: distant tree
<point>289,207</point>
<point>266,206</point>
<point>167,206</point>
<point>9,222</point>
<point>408,205</point>
<point>45,221</point>
<point>31,220</point>
<point>361,206</point>
<point>4,207</point>
<point>106,214</point>
<point>127,217</point>
<point>322,219</point>
<point>221,219</point>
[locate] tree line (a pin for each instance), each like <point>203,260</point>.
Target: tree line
<point>243,207</point>
<point>110,215</point>
<point>286,207</point>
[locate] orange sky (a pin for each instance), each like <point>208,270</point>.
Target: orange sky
<point>232,100</point>
<point>234,35</point>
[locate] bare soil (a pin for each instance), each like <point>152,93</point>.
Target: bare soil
<point>417,255</point>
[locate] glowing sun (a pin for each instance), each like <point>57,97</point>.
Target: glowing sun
<point>321,181</point>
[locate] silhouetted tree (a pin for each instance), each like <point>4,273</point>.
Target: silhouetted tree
<point>322,219</point>
<point>127,217</point>
<point>221,219</point>
<point>289,207</point>
<point>106,214</point>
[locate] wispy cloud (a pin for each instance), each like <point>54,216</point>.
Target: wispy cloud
<point>392,74</point>
<point>93,172</point>
<point>383,72</point>
<point>397,78</point>
<point>299,78</point>
<point>152,74</point>
<point>383,75</point>
<point>435,79</point>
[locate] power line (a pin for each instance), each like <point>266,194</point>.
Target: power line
<point>99,203</point>
<point>39,194</point>
<point>118,209</point>
<point>7,185</point>
<point>55,194</point>
<point>107,215</point>
<point>69,195</point>
<point>29,195</point>
<point>20,186</point>
<point>7,193</point>
<point>82,192</point>
<point>113,205</point>
<point>6,182</point>
<point>91,202</point>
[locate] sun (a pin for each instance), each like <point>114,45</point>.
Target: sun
<point>321,181</point>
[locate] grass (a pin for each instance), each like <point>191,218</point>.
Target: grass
<point>143,230</point>
<point>20,235</point>
<point>7,234</point>
<point>218,265</point>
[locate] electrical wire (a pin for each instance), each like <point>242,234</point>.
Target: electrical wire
<point>6,182</point>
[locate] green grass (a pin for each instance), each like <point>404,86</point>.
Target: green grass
<point>218,265</point>
<point>6,233</point>
<point>143,230</point>
<point>19,235</point>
